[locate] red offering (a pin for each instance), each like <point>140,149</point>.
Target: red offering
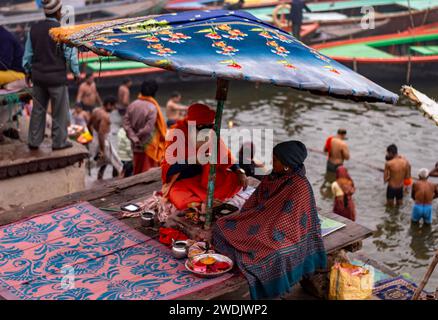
<point>209,264</point>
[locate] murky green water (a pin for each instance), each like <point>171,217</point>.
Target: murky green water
<point>371,128</point>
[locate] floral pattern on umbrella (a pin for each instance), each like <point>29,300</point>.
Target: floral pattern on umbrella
<point>223,44</point>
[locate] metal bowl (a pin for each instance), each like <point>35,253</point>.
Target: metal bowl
<point>217,257</point>
<point>179,249</point>
<point>147,218</point>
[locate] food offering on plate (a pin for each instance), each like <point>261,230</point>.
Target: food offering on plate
<point>210,264</point>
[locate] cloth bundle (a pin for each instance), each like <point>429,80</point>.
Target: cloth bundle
<point>160,206</point>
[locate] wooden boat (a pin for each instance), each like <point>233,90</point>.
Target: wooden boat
<point>139,188</point>
<point>342,19</point>
<point>337,20</point>
<point>180,5</point>
<point>110,71</point>
<point>410,56</point>
<point>90,13</point>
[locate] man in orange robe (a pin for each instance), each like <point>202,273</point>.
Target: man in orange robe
<point>145,127</point>
<point>185,182</point>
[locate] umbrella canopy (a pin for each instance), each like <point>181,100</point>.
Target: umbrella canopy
<point>223,44</point>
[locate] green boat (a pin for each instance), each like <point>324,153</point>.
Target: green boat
<point>407,57</point>
<point>342,19</point>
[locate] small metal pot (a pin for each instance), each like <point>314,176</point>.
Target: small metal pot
<point>179,249</point>
<point>147,219</point>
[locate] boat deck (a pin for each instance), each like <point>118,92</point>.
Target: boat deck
<point>138,188</point>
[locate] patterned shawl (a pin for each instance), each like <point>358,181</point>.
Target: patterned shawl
<point>276,238</point>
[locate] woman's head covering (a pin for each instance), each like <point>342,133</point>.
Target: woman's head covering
<point>291,153</point>
<point>51,6</point>
<point>201,114</point>
<point>344,180</point>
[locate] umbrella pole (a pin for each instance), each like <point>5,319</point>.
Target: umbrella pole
<point>221,97</point>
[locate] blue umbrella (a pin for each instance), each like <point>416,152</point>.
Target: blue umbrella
<point>225,45</point>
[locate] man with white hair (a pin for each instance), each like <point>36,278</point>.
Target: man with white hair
<point>423,193</point>
<point>45,64</point>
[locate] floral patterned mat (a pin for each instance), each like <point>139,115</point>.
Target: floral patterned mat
<point>80,253</point>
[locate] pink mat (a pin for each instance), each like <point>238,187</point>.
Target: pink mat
<point>80,253</point>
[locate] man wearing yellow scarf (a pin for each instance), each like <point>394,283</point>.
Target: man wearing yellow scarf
<point>146,129</point>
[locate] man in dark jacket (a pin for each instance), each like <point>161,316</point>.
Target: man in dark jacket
<point>235,6</point>
<point>45,64</point>
<point>296,16</point>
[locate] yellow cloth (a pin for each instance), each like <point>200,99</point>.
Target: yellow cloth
<point>350,282</point>
<point>10,76</point>
<point>336,190</point>
<point>156,148</point>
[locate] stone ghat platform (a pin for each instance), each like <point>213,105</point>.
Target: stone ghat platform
<point>30,176</point>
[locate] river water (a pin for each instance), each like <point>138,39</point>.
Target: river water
<point>371,128</point>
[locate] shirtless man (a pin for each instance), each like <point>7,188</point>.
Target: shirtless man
<point>174,109</point>
<point>423,193</point>
<point>124,96</point>
<point>88,95</point>
<point>397,169</point>
<point>337,150</point>
<point>100,125</point>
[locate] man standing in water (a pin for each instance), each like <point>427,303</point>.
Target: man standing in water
<point>397,169</point>
<point>45,64</point>
<point>124,96</point>
<point>174,109</point>
<point>88,95</point>
<point>337,150</point>
<point>423,193</point>
<point>99,126</point>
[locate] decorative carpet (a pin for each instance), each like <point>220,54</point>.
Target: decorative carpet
<point>397,288</point>
<point>81,253</point>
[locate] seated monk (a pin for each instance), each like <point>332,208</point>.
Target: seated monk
<point>185,181</point>
<point>275,239</point>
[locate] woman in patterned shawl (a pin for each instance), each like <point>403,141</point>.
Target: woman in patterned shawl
<point>276,238</point>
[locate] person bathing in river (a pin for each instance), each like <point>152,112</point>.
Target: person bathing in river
<point>434,171</point>
<point>88,94</point>
<point>275,239</point>
<point>124,96</point>
<point>185,183</point>
<point>337,150</point>
<point>174,108</point>
<point>343,190</point>
<point>397,170</point>
<point>99,126</point>
<point>423,193</point>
